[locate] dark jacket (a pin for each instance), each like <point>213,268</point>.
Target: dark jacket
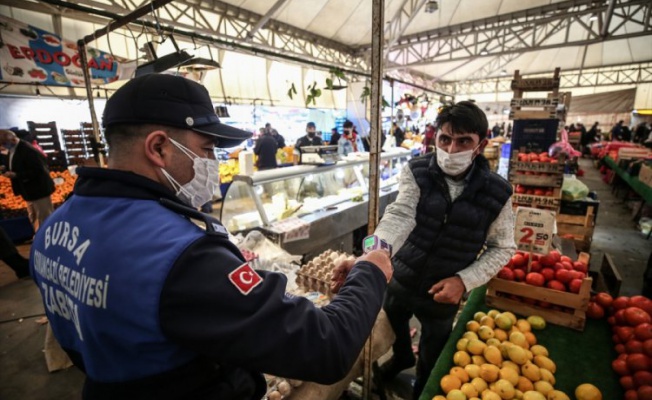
<point>32,181</point>
<point>265,149</point>
<point>449,235</point>
<point>335,137</point>
<point>306,141</point>
<point>233,337</point>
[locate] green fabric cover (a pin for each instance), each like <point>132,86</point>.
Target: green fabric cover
<point>581,357</point>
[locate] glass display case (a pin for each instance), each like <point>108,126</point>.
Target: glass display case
<point>318,195</point>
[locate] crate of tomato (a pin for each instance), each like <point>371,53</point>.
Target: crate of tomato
<point>553,286</point>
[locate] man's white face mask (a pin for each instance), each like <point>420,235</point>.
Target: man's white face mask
<point>201,187</point>
<point>457,163</point>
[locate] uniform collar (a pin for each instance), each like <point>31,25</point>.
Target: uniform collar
<point>103,182</point>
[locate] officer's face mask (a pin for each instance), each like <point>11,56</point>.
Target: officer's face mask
<point>456,163</point>
<point>201,187</point>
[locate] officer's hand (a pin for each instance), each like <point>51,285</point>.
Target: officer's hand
<point>379,258</point>
<point>449,290</point>
<point>340,273</point>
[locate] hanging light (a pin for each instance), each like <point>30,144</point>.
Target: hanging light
<point>431,6</point>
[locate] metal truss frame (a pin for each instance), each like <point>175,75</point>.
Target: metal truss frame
<point>590,77</point>
<point>395,27</point>
<point>533,29</point>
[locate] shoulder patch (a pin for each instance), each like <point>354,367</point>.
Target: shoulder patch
<point>245,278</point>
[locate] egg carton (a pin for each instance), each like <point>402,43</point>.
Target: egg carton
<point>316,274</point>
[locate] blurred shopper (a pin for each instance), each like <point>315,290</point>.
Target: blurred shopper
<point>335,137</point>
<point>280,140</point>
<point>349,141</point>
<point>30,177</point>
<point>265,149</point>
<point>310,138</point>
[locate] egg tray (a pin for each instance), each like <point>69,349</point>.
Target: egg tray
<point>279,388</point>
<point>315,276</point>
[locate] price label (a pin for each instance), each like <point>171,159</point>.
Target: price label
<point>533,229</point>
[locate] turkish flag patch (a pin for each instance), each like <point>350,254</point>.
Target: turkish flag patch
<point>245,278</point>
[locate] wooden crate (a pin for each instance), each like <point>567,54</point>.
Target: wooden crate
<point>608,278</point>
<point>497,289</point>
<point>551,174</point>
<point>580,227</point>
<point>47,137</point>
<point>547,202</point>
<point>552,180</point>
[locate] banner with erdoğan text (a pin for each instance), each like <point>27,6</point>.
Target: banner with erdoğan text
<point>31,55</point>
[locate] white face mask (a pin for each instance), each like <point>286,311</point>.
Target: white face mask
<point>455,164</point>
<point>201,187</point>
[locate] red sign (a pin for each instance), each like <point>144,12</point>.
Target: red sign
<point>245,278</point>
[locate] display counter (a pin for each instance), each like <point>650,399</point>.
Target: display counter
<point>633,182</point>
<point>329,202</point>
<point>581,357</point>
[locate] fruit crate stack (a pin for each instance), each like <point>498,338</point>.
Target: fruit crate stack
<point>78,146</point>
<point>95,147</point>
<point>552,286</point>
<point>536,180</point>
<point>47,137</point>
<point>579,228</point>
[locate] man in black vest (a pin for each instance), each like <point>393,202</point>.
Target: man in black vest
<point>450,208</point>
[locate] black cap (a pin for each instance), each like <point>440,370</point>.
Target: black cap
<point>171,101</point>
<point>310,125</point>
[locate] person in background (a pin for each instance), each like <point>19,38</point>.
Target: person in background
<point>617,131</point>
<point>428,139</point>
<point>641,133</point>
<point>495,131</point>
<point>335,137</point>
<point>366,142</point>
<point>589,137</point>
<point>174,310</point>
<point>398,133</point>
<point>280,140</point>
<point>452,229</point>
<point>349,141</point>
<point>10,255</point>
<point>310,138</point>
<point>626,134</point>
<point>30,177</point>
<point>265,148</point>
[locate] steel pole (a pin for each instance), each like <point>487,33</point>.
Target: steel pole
<point>89,94</point>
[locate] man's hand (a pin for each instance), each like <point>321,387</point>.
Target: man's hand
<point>449,290</point>
<point>9,174</point>
<point>379,258</point>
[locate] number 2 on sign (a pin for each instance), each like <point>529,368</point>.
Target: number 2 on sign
<point>529,232</point>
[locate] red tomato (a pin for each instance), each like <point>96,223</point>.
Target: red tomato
<point>622,357</point>
<point>643,378</point>
<point>577,275</point>
<point>548,274</point>
<point>580,266</point>
<point>620,367</point>
<point>522,157</point>
<point>604,299</point>
<point>611,320</point>
<point>643,331</point>
<point>631,395</point>
<point>620,317</point>
<point>518,260</point>
<point>624,333</point>
<point>558,266</point>
<point>616,339</point>
<point>634,346</point>
<point>563,275</point>
<point>574,287</point>
<point>535,279</point>
<point>620,303</point>
<point>635,316</point>
<point>556,285</point>
<point>519,275</point>
<point>535,266</point>
<point>627,382</point>
<point>638,362</point>
<point>506,273</point>
<point>594,311</point>
<point>641,302</point>
<point>520,189</point>
<point>620,348</point>
<point>547,260</point>
<point>556,255</point>
<point>645,393</point>
<point>565,259</point>
<point>647,347</point>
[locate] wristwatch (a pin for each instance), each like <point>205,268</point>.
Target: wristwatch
<point>373,242</point>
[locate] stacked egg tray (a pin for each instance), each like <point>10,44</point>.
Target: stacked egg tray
<point>315,276</point>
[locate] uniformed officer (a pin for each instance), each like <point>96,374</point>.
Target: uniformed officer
<point>151,306</point>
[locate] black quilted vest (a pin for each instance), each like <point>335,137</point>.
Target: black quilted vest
<point>448,235</point>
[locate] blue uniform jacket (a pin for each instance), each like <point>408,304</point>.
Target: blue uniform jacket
<point>162,319</point>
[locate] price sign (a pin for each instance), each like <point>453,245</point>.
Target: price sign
<point>533,229</point>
